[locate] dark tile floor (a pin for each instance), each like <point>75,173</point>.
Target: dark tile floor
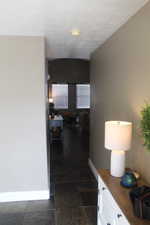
<point>74,200</point>
<point>75,187</point>
<point>27,213</point>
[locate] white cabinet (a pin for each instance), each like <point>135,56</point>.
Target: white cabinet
<point>109,212</point>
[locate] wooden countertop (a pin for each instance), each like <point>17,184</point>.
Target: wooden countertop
<point>121,195</point>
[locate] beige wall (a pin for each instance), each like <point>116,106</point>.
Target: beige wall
<point>120,83</point>
<point>23,157</point>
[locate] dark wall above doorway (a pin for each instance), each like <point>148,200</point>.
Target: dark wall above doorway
<point>69,71</point>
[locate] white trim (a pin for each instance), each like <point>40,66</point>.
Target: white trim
<point>93,169</point>
<point>24,196</point>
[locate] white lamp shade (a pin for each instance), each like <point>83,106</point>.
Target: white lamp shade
<point>118,135</point>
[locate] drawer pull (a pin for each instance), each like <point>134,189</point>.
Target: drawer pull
<point>103,188</point>
<point>119,215</point>
<point>108,224</point>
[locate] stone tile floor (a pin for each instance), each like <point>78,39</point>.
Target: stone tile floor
<point>74,200</point>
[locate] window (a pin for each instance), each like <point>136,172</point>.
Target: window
<point>83,96</point>
<point>60,95</point>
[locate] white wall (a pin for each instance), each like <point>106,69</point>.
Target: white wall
<point>23,156</point>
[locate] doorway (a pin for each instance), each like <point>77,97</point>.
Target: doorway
<point>74,187</point>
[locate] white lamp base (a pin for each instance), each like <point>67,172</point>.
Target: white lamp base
<point>117,163</point>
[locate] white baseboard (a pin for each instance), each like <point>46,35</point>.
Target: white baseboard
<point>93,169</point>
<point>24,196</point>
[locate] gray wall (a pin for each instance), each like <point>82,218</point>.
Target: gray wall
<point>120,80</point>
<point>23,159</point>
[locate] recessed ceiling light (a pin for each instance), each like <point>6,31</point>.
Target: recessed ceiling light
<point>75,32</point>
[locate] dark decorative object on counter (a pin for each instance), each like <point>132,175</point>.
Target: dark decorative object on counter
<point>128,180</point>
<point>140,198</point>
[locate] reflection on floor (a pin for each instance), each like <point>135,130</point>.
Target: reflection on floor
<point>74,189</point>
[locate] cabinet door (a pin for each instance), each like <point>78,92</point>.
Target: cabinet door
<point>108,212</point>
<point>121,220</point>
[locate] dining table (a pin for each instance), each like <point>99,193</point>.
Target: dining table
<point>57,121</point>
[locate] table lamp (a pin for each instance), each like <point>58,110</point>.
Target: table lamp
<point>118,136</point>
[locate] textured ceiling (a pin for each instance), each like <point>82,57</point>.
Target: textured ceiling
<point>96,19</point>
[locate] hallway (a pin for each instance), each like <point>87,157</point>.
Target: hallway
<point>74,188</point>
